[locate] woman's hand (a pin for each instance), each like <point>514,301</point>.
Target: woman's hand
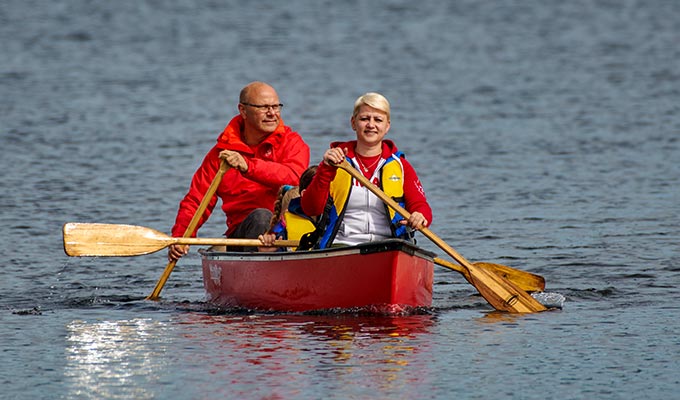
<point>415,221</point>
<point>176,251</point>
<point>334,156</point>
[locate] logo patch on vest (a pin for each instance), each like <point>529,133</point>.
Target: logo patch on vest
<point>394,178</point>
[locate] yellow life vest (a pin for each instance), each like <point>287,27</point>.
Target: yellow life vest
<point>297,225</point>
<point>391,182</point>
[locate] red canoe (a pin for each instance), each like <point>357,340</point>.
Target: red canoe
<point>387,273</point>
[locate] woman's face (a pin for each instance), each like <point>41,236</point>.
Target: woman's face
<point>370,124</point>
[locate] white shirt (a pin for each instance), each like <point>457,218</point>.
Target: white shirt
<point>365,218</point>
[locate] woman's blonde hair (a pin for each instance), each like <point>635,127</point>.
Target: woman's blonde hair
<point>372,99</point>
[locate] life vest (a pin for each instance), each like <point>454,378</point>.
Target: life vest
<point>391,182</point>
<point>294,223</point>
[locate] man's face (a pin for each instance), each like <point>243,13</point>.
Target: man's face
<point>263,119</point>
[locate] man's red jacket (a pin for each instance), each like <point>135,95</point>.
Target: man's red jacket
<point>278,160</point>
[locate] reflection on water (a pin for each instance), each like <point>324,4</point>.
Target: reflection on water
<point>293,352</point>
<point>282,355</point>
<point>114,359</point>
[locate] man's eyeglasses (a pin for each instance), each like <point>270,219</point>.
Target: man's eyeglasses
<point>265,107</point>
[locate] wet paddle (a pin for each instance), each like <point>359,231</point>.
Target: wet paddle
<point>192,226</point>
<point>498,291</point>
<point>524,280</point>
<point>112,240</point>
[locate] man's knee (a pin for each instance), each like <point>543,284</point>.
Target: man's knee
<point>255,224</point>
<point>261,217</point>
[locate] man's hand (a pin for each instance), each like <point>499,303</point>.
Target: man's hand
<point>176,251</point>
<point>235,160</point>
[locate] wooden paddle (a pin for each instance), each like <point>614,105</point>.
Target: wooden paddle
<point>498,291</point>
<point>224,167</point>
<point>524,280</point>
<point>112,240</point>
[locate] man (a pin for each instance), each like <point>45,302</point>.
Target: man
<point>263,154</point>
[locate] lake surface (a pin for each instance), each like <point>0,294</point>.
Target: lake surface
<point>546,135</point>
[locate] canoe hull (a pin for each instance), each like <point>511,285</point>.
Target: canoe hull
<point>384,273</point>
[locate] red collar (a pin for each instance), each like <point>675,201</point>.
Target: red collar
<point>231,139</point>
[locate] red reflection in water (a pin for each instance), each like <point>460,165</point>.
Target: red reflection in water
<point>290,351</point>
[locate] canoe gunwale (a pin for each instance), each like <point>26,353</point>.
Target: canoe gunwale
<point>363,248</point>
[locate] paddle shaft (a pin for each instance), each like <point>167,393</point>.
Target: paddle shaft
<point>234,242</point>
<point>191,228</point>
<point>499,292</point>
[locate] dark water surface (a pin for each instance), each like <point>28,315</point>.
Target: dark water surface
<point>546,135</point>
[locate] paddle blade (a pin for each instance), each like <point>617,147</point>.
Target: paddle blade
<point>524,280</point>
<point>112,240</point>
<point>501,293</point>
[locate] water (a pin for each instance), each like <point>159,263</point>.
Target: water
<point>545,134</point>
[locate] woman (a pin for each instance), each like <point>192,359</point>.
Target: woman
<point>355,215</point>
